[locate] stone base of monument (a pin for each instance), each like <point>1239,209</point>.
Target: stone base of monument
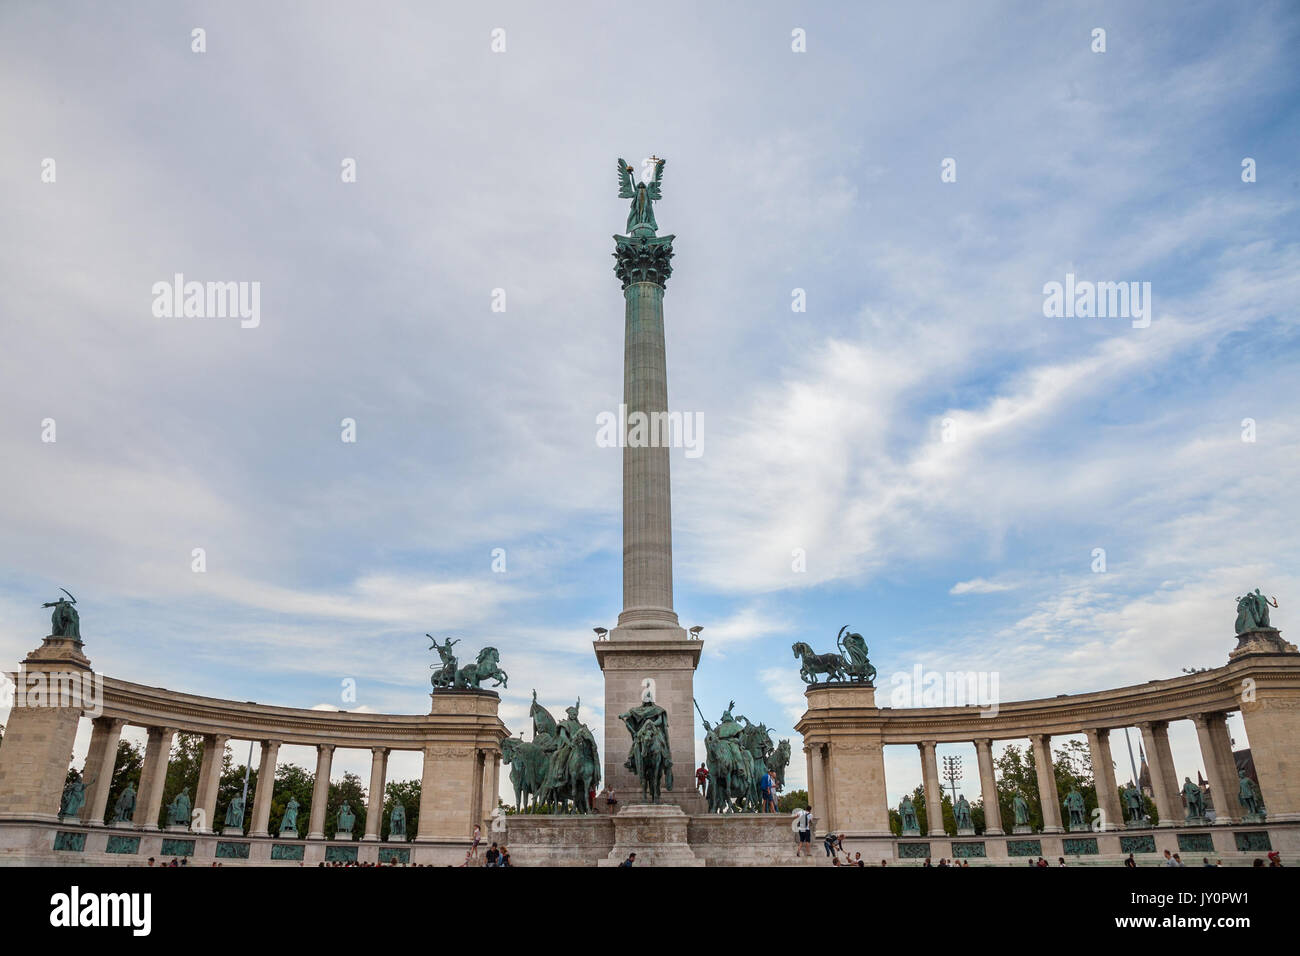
<point>658,833</point>
<point>122,825</point>
<point>1253,817</point>
<point>177,828</point>
<point>911,834</point>
<point>343,836</point>
<point>965,831</point>
<point>1261,640</point>
<point>1022,828</point>
<point>400,838</point>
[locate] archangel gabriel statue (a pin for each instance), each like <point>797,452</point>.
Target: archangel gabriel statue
<point>641,217</point>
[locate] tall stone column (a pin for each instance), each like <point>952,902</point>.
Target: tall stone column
<point>153,777</point>
<point>1221,741</point>
<point>40,731</point>
<point>265,792</point>
<point>648,641</point>
<point>100,761</point>
<point>933,791</point>
<point>1103,772</point>
<point>378,780</point>
<point>1164,781</point>
<point>1048,798</point>
<point>488,795</point>
<point>1223,791</point>
<point>205,802</point>
<point>1271,713</point>
<point>989,787</point>
<point>816,781</point>
<point>320,793</point>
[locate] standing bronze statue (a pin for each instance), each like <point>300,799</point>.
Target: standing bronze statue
<point>650,757</point>
<point>74,795</point>
<point>64,621</point>
<point>125,806</point>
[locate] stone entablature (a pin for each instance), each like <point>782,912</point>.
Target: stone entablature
<point>844,733</point>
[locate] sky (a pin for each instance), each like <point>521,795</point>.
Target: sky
<point>919,452</point>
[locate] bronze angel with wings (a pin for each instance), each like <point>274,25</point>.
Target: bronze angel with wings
<point>641,218</point>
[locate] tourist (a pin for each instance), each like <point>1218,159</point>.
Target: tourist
<point>478,835</point>
<point>611,801</point>
<point>1205,861</point>
<point>803,826</point>
<point>1258,862</point>
<point>829,844</point>
<point>151,861</point>
<point>1130,862</point>
<point>1169,860</point>
<point>491,855</point>
<point>884,863</point>
<point>835,861</point>
<point>1275,859</point>
<point>857,860</point>
<point>504,859</point>
<point>765,791</point>
<point>1178,860</point>
<point>702,778</point>
<point>1060,861</point>
<point>631,859</point>
<point>927,862</point>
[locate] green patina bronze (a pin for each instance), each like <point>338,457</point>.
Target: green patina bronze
<point>559,766</point>
<point>397,821</point>
<point>854,652</point>
<point>487,666</point>
<point>178,811</point>
<point>124,809</point>
<point>907,813</point>
<point>642,256</point>
<point>811,664</point>
<point>1133,805</point>
<point>235,813</point>
<point>64,621</point>
<point>289,822</point>
<point>444,672</point>
<point>1248,795</point>
<point>650,757</point>
<point>1195,800</point>
<point>738,752</point>
<point>74,795</point>
<point>1020,806</point>
<point>641,217</point>
<point>1075,809</point>
<point>346,819</point>
<point>1252,612</point>
<point>961,814</point>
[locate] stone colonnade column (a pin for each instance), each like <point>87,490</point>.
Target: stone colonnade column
<point>320,793</point>
<point>378,780</point>
<point>1222,787</point>
<point>1222,744</point>
<point>1103,771</point>
<point>933,791</point>
<point>488,794</point>
<point>1164,781</point>
<point>817,782</point>
<point>989,787</point>
<point>265,792</point>
<point>205,801</point>
<point>1048,798</point>
<point>153,777</point>
<point>100,761</point>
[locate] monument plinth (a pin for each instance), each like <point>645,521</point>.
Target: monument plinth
<point>648,641</point>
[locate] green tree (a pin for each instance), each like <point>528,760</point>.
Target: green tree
<point>182,771</point>
<point>792,801</point>
<point>349,789</point>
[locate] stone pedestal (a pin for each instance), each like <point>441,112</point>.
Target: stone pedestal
<point>53,686</point>
<point>965,831</point>
<point>669,658</point>
<point>401,838</point>
<point>122,825</point>
<point>657,833</point>
<point>462,758</point>
<point>1261,640</point>
<point>846,759</point>
<point>911,834</point>
<point>343,836</point>
<point>177,828</point>
<point>1021,828</point>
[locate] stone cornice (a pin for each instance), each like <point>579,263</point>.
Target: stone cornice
<point>832,714</point>
<point>144,706</point>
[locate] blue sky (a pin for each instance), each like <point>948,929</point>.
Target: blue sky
<point>478,171</point>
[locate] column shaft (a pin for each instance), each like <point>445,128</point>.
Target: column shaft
<point>1223,790</point>
<point>320,792</point>
<point>153,777</point>
<point>1164,782</point>
<point>989,788</point>
<point>1048,798</point>
<point>1103,773</point>
<point>101,760</point>
<point>647,510</point>
<point>817,785</point>
<point>265,792</point>
<point>205,802</point>
<point>378,780</point>
<point>933,790</point>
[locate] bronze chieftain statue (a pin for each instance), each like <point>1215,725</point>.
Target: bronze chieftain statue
<point>738,753</point>
<point>74,795</point>
<point>650,757</point>
<point>64,622</point>
<point>560,765</point>
<point>125,806</point>
<point>289,822</point>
